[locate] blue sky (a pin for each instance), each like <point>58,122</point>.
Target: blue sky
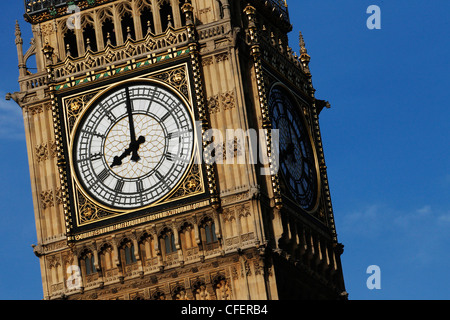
<point>386,141</point>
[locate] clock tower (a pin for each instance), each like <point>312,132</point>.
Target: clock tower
<point>141,123</point>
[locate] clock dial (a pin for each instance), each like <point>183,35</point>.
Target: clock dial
<point>297,161</point>
<point>133,146</point>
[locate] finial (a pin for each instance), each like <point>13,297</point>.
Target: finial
<point>149,27</point>
<point>304,56</point>
<point>18,33</point>
<point>169,18</point>
<point>88,44</point>
<point>128,32</point>
<point>188,9</point>
<point>302,43</point>
<point>108,38</point>
<point>68,50</point>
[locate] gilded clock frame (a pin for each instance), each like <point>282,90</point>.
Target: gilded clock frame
<point>79,202</point>
<point>298,103</point>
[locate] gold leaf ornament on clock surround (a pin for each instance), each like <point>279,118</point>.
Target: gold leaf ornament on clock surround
<point>87,210</point>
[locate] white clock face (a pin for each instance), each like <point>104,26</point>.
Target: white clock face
<point>133,146</point>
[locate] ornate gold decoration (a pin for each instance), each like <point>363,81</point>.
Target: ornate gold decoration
<point>176,78</point>
<point>76,105</point>
<point>191,185</point>
<point>87,210</point>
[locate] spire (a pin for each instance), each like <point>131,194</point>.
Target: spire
<point>20,56</point>
<point>19,39</point>
<point>304,56</point>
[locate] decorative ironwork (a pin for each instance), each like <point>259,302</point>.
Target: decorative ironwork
<point>281,7</point>
<point>36,6</point>
<point>278,8</point>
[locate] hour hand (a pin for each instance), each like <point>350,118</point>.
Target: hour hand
<point>132,149</point>
<point>117,162</point>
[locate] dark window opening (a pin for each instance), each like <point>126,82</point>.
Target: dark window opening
<point>129,255</point>
<point>70,43</point>
<point>166,16</point>
<point>90,40</point>
<point>147,22</point>
<point>210,233</point>
<point>169,242</point>
<point>128,27</point>
<point>109,33</point>
<point>89,264</point>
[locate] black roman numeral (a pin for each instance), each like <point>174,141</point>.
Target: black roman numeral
<point>170,156</point>
<point>103,175</point>
<point>140,186</point>
<point>167,115</point>
<point>119,186</point>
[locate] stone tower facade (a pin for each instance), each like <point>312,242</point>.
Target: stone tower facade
<point>223,230</point>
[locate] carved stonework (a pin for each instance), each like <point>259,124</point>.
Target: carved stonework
<point>34,110</point>
<point>41,152</point>
<point>222,102</point>
<point>228,101</point>
<point>53,149</point>
<point>214,235</point>
<point>214,104</point>
<point>222,57</point>
<point>47,199</point>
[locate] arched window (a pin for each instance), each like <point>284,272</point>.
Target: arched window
<point>127,253</point>
<point>89,37</point>
<point>70,44</point>
<point>147,22</point>
<point>147,249</point>
<point>166,15</point>
<point>168,241</point>
<point>88,263</point>
<point>109,33</point>
<point>208,231</point>
<point>187,236</point>
<point>90,266</point>
<point>128,27</point>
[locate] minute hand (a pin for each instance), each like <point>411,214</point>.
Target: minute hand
<point>134,146</point>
